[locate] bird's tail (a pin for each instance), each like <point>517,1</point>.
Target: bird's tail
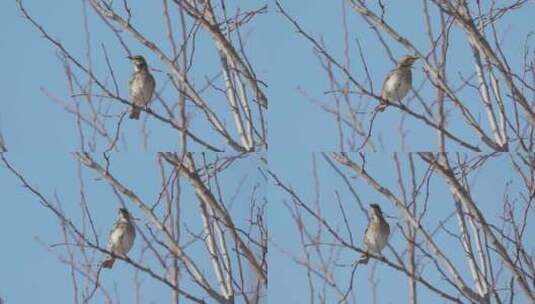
<point>134,114</point>
<point>364,259</point>
<point>381,107</point>
<point>108,262</point>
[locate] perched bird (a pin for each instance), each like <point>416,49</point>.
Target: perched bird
<point>397,83</point>
<point>122,237</point>
<point>141,85</point>
<point>376,234</point>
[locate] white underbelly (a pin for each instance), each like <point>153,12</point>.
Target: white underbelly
<point>375,245</point>
<point>141,92</point>
<point>120,242</point>
<point>396,90</point>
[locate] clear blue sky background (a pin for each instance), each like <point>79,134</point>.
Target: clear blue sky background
<point>312,129</point>
<point>30,274</point>
<point>281,58</point>
<point>41,134</point>
<point>290,284</point>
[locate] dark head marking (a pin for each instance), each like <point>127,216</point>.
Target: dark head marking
<point>376,208</point>
<point>123,211</point>
<point>407,60</point>
<point>138,60</point>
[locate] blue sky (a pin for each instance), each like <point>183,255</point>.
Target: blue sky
<point>28,266</point>
<point>41,134</point>
<point>317,131</point>
<point>35,120</point>
<point>282,59</point>
<point>290,285</point>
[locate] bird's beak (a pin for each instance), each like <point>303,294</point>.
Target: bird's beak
<point>129,57</point>
<point>389,216</point>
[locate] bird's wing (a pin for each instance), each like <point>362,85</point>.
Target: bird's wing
<point>152,85</point>
<point>128,238</point>
<point>152,81</point>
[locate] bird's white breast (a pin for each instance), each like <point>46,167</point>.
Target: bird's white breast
<point>376,237</point>
<point>121,239</point>
<point>394,89</point>
<point>378,243</point>
<point>141,88</point>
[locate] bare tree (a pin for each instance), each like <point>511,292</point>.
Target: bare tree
<point>202,232</point>
<point>99,103</point>
<point>431,233</point>
<point>198,105</point>
<point>484,107</point>
<point>215,254</point>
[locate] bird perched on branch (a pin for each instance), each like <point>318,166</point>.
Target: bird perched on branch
<point>397,83</point>
<point>141,85</point>
<point>376,234</point>
<point>122,237</point>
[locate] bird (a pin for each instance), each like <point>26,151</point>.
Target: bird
<point>376,234</point>
<point>397,83</point>
<point>122,236</point>
<point>141,85</point>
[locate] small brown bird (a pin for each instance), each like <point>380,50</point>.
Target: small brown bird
<point>397,83</point>
<point>376,234</point>
<point>122,237</point>
<point>141,85</point>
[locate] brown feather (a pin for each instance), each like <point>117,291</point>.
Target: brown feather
<point>134,114</point>
<point>108,263</point>
<point>364,258</point>
<point>381,107</point>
